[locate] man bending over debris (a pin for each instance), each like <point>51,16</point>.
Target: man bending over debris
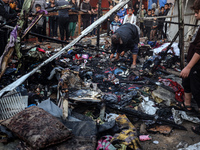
<point>126,38</point>
<point>191,73</point>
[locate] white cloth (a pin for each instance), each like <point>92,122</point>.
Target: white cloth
<point>174,45</point>
<point>132,20</point>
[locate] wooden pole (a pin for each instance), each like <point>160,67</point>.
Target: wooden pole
<point>79,23</point>
<point>140,12</point>
<point>181,32</point>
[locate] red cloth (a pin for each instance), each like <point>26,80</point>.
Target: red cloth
<point>179,91</point>
<point>40,50</point>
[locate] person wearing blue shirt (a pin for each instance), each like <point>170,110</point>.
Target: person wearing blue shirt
<point>121,13</point>
<point>115,24</point>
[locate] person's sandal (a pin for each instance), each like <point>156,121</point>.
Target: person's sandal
<point>133,66</point>
<point>189,109</point>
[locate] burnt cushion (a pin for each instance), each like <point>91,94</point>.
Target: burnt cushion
<point>37,128</point>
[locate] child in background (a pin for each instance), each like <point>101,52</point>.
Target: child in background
<point>110,20</point>
<point>148,24</point>
<point>115,24</point>
<point>142,15</point>
<point>86,7</point>
<point>38,28</point>
<point>154,29</point>
<point>130,17</point>
<point>161,23</point>
<point>121,13</point>
<point>73,18</point>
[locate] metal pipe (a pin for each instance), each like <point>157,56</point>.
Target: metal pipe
<point>98,28</point>
<point>172,16</point>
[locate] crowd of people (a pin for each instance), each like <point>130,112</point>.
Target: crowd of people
<point>66,22</point>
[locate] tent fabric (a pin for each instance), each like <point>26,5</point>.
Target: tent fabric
<point>161,3</point>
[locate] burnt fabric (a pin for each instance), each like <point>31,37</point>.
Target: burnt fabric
<point>104,143</point>
<point>128,135</point>
<point>37,128</point>
<point>179,91</point>
<point>126,99</point>
<point>110,98</point>
<point>70,79</point>
<point>82,128</point>
<point>76,143</point>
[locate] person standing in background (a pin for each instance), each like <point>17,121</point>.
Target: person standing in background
<point>130,18</point>
<point>38,28</point>
<point>161,23</point>
<point>87,9</point>
<point>136,9</point>
<point>43,5</point>
<point>166,12</point>
<point>148,24</point>
<point>137,4</point>
<point>63,20</point>
<point>115,24</point>
<point>110,19</point>
<point>191,73</point>
<point>141,16</point>
<point>166,9</point>
<point>121,13</point>
<point>53,20</point>
<point>154,29</point>
<point>73,18</point>
<point>154,6</point>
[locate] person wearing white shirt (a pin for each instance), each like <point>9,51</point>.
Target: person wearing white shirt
<point>130,17</point>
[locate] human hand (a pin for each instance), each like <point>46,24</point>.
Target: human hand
<point>30,18</point>
<point>122,53</point>
<point>89,12</point>
<point>52,5</point>
<point>185,72</point>
<point>111,56</point>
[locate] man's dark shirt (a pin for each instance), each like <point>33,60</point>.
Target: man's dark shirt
<point>129,35</point>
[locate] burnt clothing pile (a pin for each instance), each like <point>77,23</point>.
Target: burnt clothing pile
<point>104,99</point>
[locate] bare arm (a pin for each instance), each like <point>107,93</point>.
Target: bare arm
<point>185,72</point>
